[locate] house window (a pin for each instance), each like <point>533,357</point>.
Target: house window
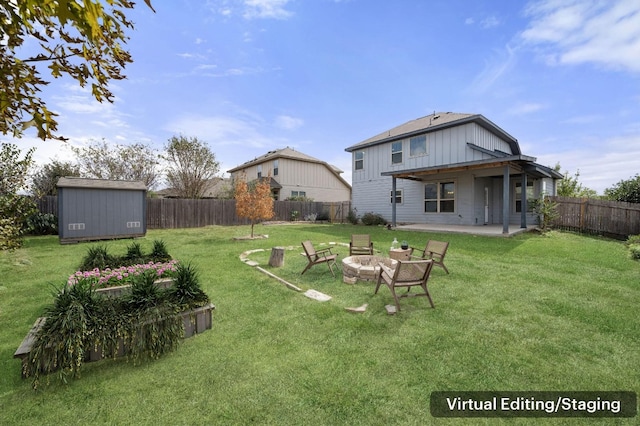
<point>418,146</point>
<point>530,196</point>
<point>440,197</point>
<point>398,196</point>
<point>298,194</point>
<point>359,160</point>
<point>259,171</point>
<point>275,167</point>
<point>396,152</point>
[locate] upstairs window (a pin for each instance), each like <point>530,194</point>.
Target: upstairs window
<point>275,167</point>
<point>440,197</point>
<point>396,152</point>
<point>259,171</point>
<point>359,160</point>
<point>418,146</point>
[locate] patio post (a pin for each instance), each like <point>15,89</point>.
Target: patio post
<point>505,201</point>
<point>393,201</point>
<point>523,206</point>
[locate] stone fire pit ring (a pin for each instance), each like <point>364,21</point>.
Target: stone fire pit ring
<point>364,267</point>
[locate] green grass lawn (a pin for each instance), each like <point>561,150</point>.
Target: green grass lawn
<point>552,312</point>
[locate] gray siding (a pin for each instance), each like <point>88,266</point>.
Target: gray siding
<point>86,213</point>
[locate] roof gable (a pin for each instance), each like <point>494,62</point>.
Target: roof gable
<point>287,152</point>
<point>434,122</point>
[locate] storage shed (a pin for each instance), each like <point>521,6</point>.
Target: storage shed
<point>98,209</point>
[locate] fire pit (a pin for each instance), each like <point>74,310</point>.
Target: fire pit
<point>363,268</point>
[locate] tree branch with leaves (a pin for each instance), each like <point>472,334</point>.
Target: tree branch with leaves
<point>82,39</point>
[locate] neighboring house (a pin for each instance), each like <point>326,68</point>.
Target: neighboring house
<point>448,168</point>
<point>294,174</point>
<point>216,188</point>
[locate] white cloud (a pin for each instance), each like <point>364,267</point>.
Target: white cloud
<point>288,123</point>
<point>586,31</point>
<point>495,68</point>
<point>489,22</point>
<point>525,108</point>
<point>601,164</point>
<point>274,9</point>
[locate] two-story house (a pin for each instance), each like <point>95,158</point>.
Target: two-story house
<point>294,174</point>
<point>448,168</point>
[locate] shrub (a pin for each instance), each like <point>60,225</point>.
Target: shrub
<point>159,253</point>
<point>634,249</point>
<point>373,219</point>
<point>311,217</point>
<point>352,217</point>
<point>323,216</point>
<point>186,291</point>
<point>134,255</point>
<point>633,239</point>
<point>42,224</point>
<point>97,257</point>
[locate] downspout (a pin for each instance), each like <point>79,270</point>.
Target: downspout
<point>523,207</point>
<point>393,201</point>
<point>505,201</point>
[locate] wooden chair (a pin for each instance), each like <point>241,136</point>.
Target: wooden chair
<point>316,257</point>
<point>407,274</point>
<point>434,250</point>
<point>360,244</point>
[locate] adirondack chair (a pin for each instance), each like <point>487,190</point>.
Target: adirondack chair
<point>407,274</point>
<point>316,257</point>
<point>360,244</point>
<point>434,250</point>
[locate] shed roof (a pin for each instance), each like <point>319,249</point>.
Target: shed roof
<point>434,122</point>
<point>76,182</point>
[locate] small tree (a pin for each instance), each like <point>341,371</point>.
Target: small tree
<point>44,181</point>
<point>254,201</point>
<point>14,208</point>
<point>625,190</point>
<point>570,186</point>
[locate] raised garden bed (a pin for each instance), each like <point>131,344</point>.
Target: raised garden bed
<point>91,319</point>
<point>194,321</point>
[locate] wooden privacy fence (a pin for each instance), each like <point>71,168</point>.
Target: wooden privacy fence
<point>164,213</point>
<point>610,218</point>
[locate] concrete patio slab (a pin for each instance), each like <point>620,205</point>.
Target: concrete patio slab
<point>489,230</point>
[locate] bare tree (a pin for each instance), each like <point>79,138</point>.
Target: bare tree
<point>190,166</point>
<point>126,162</point>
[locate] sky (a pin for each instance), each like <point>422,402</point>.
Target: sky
<point>250,76</point>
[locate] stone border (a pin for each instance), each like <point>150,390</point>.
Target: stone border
<point>312,294</point>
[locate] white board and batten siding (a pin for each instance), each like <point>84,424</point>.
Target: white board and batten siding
<point>315,179</point>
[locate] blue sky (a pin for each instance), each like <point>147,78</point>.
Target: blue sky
<point>250,76</point>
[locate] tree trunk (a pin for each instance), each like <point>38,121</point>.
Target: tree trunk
<point>277,257</point>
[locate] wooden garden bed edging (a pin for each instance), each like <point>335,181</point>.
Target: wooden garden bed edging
<point>195,321</point>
